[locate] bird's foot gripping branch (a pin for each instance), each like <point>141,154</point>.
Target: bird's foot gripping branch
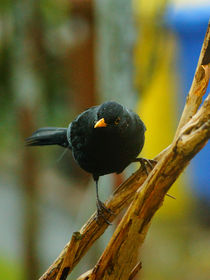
<point>144,193</point>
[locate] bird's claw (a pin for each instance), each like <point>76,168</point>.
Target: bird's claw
<point>100,211</point>
<point>144,162</point>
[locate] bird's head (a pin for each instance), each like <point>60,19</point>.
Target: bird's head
<point>110,114</point>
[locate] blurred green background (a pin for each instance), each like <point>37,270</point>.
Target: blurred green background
<point>59,57</point>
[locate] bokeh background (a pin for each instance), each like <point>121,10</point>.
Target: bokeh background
<point>59,57</point>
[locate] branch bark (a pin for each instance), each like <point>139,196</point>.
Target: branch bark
<point>120,257</point>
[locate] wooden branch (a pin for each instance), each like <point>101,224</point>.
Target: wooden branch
<point>135,270</point>
<point>199,84</point>
<point>119,257</point>
<point>198,87</point>
<point>81,241</point>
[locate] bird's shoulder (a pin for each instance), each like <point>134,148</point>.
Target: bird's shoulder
<point>82,127</point>
<point>86,118</point>
<point>135,121</point>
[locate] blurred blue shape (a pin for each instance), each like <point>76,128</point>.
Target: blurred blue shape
<point>189,23</point>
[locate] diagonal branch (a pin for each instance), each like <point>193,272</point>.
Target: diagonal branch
<point>199,84</point>
<point>81,241</point>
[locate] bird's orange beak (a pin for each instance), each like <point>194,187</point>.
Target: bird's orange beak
<point>100,123</point>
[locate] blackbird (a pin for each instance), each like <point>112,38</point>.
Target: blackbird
<point>103,139</point>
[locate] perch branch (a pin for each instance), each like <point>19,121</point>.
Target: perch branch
<point>199,84</point>
<point>81,241</point>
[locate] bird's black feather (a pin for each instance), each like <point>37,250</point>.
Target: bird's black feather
<point>108,149</point>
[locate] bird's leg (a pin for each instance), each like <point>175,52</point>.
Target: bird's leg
<point>101,207</point>
<point>144,162</point>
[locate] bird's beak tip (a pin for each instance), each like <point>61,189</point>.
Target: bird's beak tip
<point>100,123</point>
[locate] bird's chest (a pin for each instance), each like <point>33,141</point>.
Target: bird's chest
<point>98,143</point>
<point>101,151</point>
<point>110,145</point>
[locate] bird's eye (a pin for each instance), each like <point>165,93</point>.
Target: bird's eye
<point>117,121</point>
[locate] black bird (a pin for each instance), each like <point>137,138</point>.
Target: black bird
<point>103,139</point>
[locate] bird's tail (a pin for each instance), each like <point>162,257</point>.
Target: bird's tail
<point>49,136</point>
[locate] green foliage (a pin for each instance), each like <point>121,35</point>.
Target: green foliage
<point>54,12</point>
<point>10,270</point>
